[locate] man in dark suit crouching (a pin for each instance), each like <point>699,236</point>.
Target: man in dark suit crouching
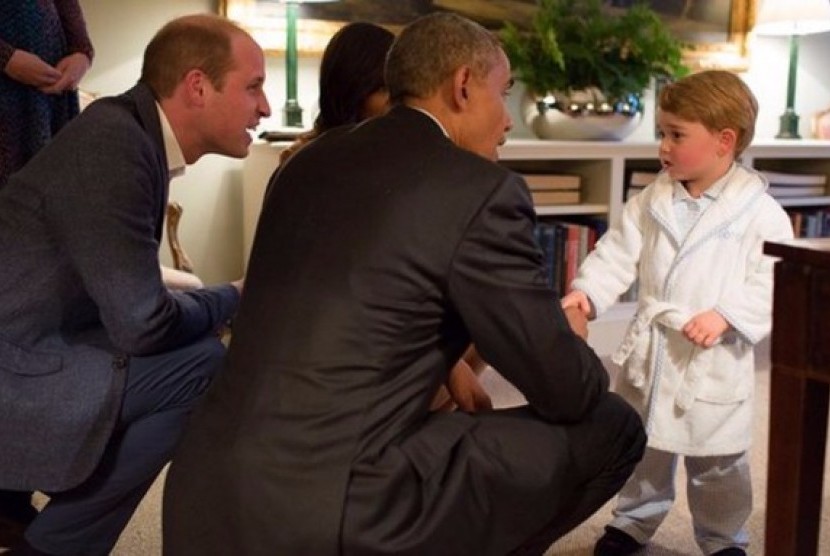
<point>99,363</point>
<point>382,251</point>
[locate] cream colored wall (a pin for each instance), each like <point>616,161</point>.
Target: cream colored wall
<point>210,191</point>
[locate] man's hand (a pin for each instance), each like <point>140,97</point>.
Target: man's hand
<point>466,390</point>
<point>462,391</point>
<point>705,328</point>
<point>578,321</point>
<point>239,285</point>
<point>30,69</point>
<point>174,279</point>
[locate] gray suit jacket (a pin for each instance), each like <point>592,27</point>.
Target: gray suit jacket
<point>381,251</point>
<point>81,292</point>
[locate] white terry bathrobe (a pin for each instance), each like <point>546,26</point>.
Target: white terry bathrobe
<point>694,401</point>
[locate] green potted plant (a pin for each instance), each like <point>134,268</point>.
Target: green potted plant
<point>586,67</point>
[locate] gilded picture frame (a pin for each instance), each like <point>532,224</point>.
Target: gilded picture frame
<point>715,31</point>
<point>728,47</point>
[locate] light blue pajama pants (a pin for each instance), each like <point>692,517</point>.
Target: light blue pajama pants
<point>718,488</point>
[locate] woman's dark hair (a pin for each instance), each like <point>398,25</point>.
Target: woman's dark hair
<point>350,71</point>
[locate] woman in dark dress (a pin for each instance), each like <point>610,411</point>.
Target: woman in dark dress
<point>44,52</point>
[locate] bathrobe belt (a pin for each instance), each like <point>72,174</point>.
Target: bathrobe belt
<point>634,349</point>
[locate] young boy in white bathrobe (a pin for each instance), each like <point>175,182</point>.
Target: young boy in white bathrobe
<point>693,239</point>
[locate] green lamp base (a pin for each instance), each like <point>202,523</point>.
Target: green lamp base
<point>292,114</point>
<point>788,128</point>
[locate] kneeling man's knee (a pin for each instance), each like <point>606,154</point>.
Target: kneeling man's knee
<point>204,362</point>
<point>628,438</point>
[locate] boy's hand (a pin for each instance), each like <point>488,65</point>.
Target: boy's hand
<point>705,328</point>
<point>579,300</point>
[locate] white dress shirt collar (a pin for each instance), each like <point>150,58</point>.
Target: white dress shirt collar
<point>175,157</point>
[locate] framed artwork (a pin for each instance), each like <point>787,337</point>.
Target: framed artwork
<point>265,20</point>
<point>714,30</point>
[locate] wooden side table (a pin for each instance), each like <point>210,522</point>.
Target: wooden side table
<point>800,379</point>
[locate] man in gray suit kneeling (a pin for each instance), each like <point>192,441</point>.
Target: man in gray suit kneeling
<point>99,363</point>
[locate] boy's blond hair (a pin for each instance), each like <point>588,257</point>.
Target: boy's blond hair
<point>718,99</point>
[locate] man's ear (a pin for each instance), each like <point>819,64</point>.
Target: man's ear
<point>460,86</point>
<point>195,81</point>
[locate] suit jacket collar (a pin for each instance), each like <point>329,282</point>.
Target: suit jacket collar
<point>144,101</point>
<point>419,120</point>
<point>146,111</point>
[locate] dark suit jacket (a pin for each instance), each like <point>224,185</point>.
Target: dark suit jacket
<point>381,252</point>
<point>81,292</point>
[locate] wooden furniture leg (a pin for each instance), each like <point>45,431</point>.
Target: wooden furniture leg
<point>799,393</point>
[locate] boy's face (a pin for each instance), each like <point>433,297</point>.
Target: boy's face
<point>693,154</point>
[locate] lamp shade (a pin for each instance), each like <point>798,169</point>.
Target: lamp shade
<point>793,17</point>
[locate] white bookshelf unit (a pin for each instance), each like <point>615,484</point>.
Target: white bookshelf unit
<point>603,167</point>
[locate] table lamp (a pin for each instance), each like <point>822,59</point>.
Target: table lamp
<point>792,18</point>
<point>292,113</point>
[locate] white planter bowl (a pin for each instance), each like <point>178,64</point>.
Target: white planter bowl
<point>582,115</point>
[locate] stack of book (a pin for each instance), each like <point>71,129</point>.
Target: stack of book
<point>783,185</point>
<point>554,189</point>
<point>637,181</point>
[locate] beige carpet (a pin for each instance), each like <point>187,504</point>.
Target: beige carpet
<point>674,538</point>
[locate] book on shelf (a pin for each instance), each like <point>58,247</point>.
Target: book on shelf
<point>632,190</point>
<point>640,179</point>
<point>546,182</point>
<point>564,245</point>
<point>637,181</point>
<point>810,223</point>
<point>596,225</point>
<point>786,179</point>
<point>555,197</point>
<point>787,191</point>
<point>796,219</point>
<point>551,241</point>
<point>572,255</point>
